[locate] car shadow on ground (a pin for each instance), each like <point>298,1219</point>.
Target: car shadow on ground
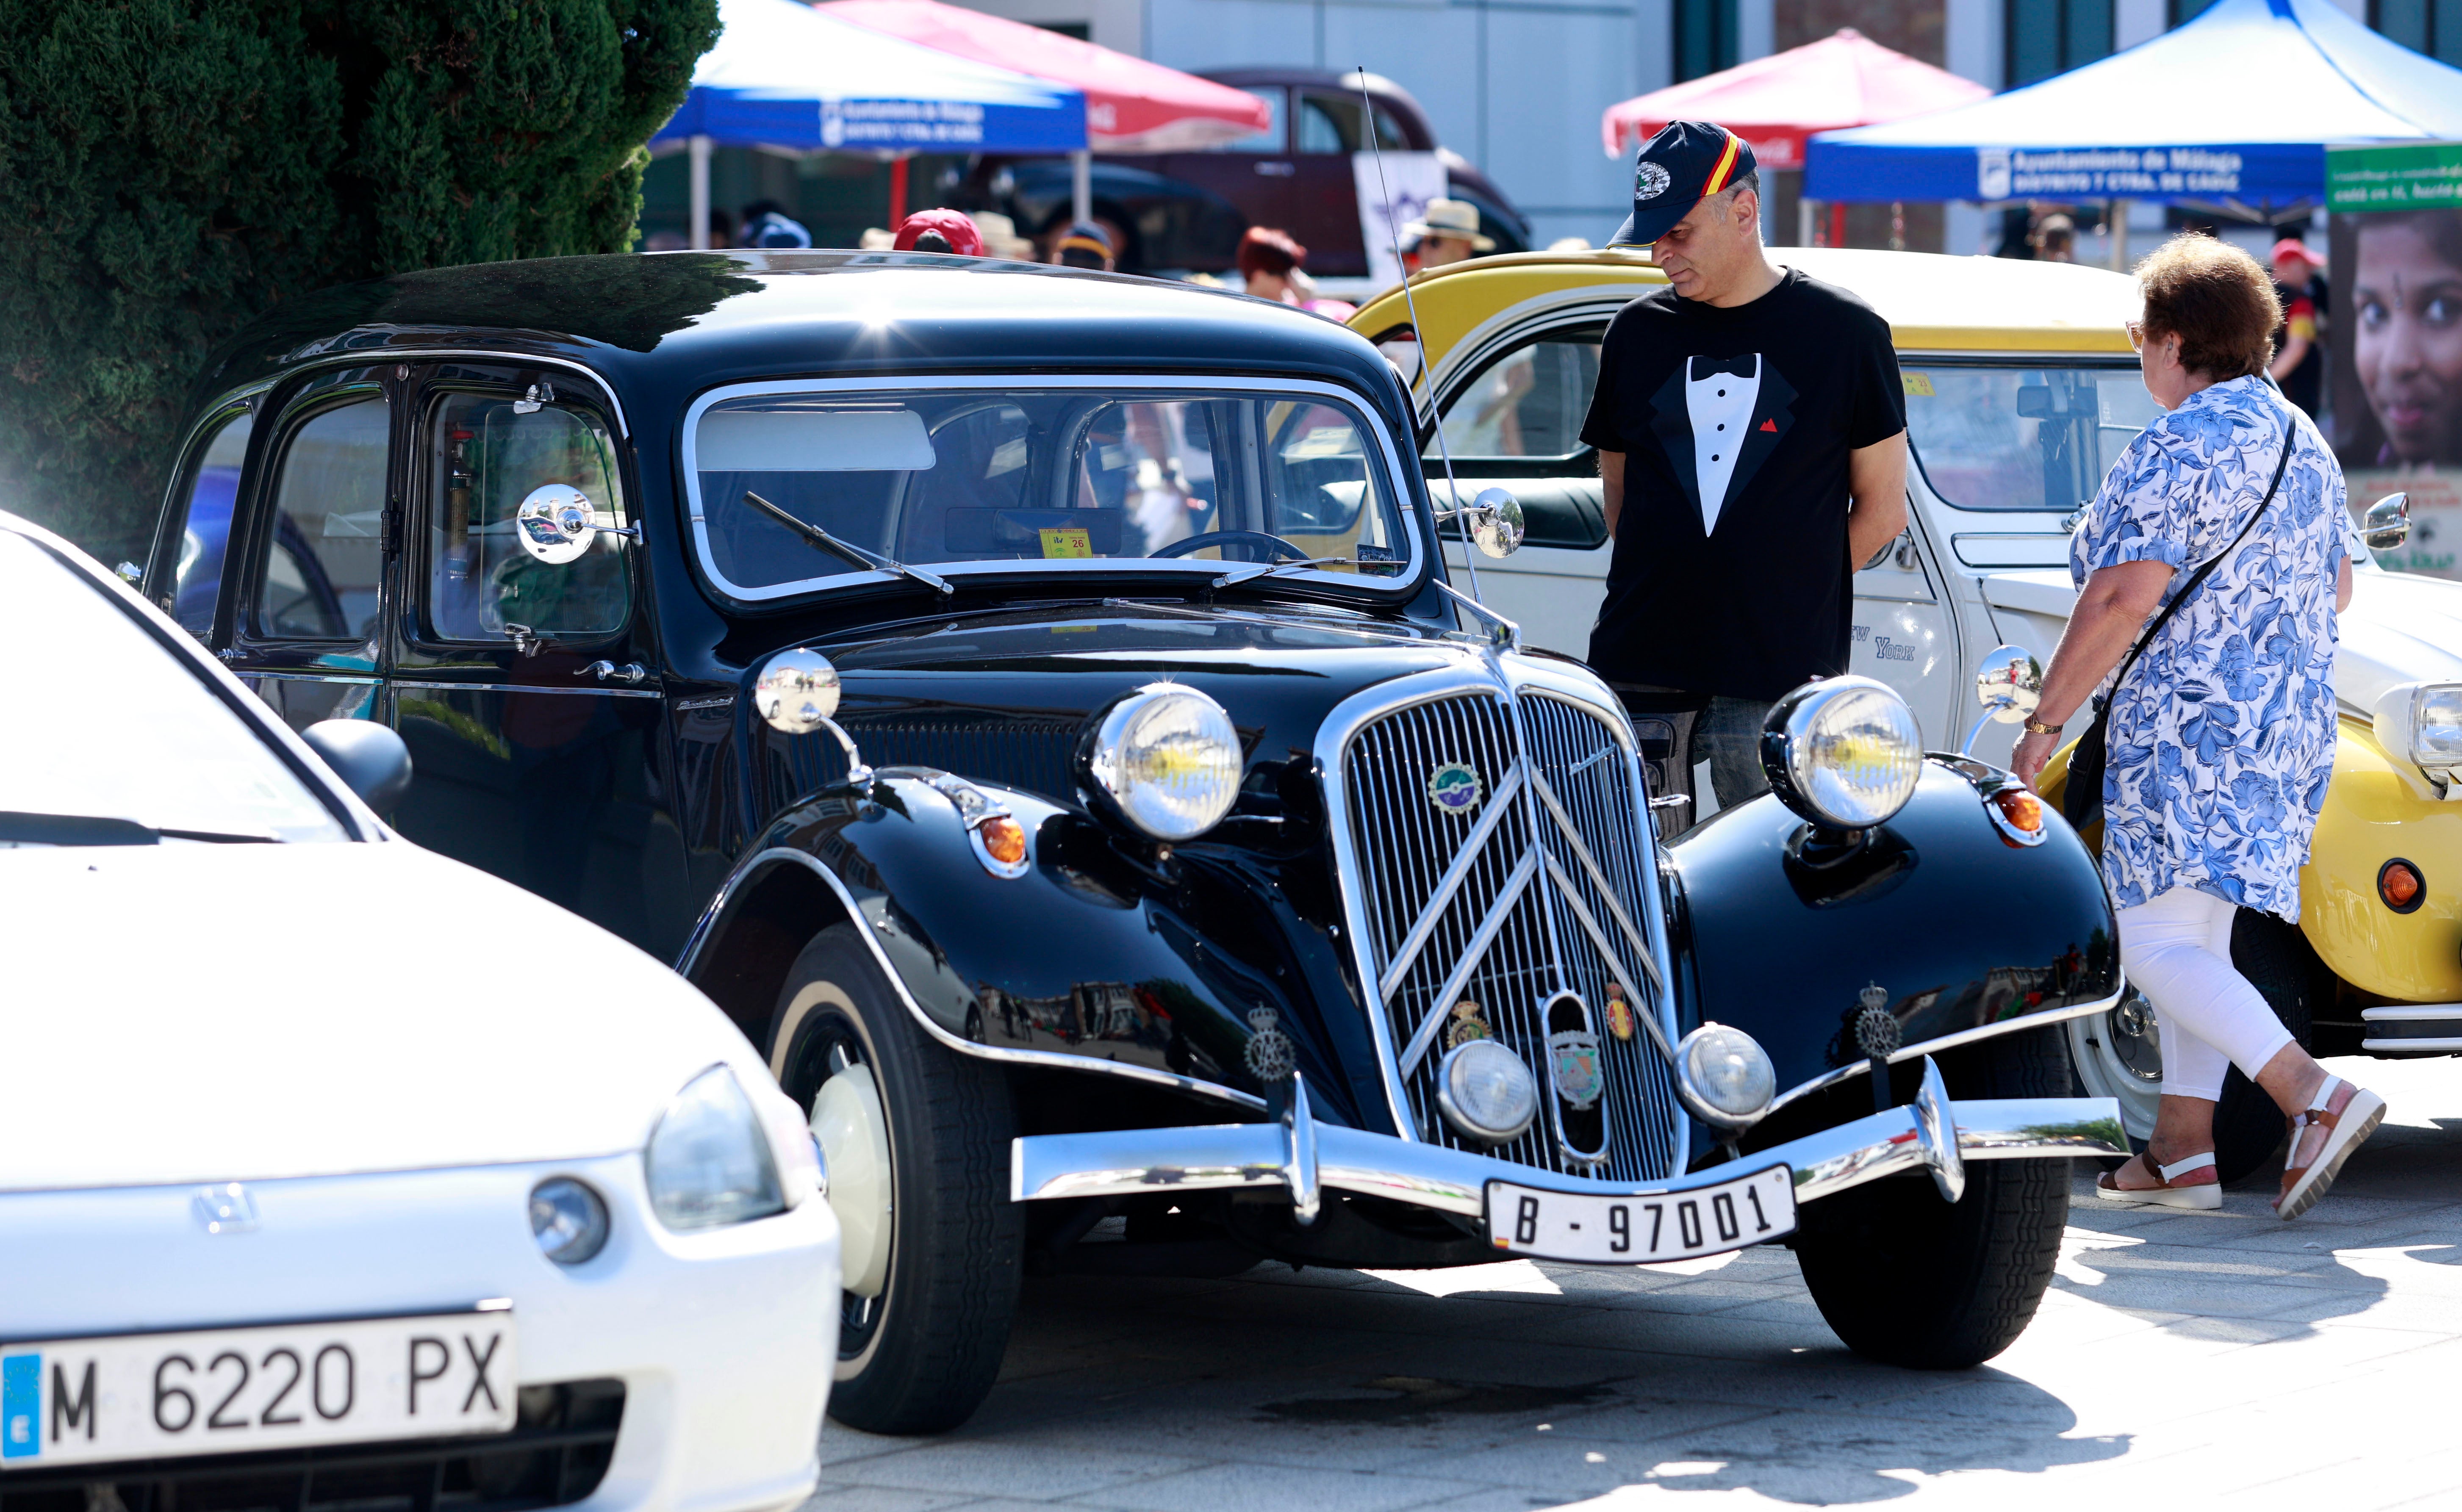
<point>1521,1386</point>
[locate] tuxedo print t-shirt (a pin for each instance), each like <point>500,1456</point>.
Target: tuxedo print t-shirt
<point>1730,574</point>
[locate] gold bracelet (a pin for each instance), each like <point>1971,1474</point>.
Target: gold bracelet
<point>2038,727</point>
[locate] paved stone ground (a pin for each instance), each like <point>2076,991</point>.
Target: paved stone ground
<point>2186,1359</point>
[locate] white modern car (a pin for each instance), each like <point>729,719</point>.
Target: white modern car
<point>333,1172</point>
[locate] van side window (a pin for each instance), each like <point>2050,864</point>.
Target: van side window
<point>487,453</point>
<point>189,589</point>
<point>1528,403</point>
<point>324,561</point>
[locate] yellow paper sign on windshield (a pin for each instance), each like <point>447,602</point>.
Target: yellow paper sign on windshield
<point>1071,541</point>
<point>1918,384</point>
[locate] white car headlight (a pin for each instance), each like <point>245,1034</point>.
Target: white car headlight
<point>1167,759</point>
<point>709,1161</point>
<point>2422,723</point>
<point>1842,751</point>
<point>1485,1090</point>
<point>1725,1075</point>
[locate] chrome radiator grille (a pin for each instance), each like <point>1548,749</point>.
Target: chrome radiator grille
<point>1548,890</point>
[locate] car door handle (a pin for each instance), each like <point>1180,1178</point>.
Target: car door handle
<point>629,672</point>
<point>1276,170</point>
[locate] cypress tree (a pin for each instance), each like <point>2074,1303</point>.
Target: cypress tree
<point>169,169</point>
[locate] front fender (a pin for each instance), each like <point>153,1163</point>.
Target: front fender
<point>1949,927</point>
<point>1095,960</point>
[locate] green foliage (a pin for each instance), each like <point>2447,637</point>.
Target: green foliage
<point>169,169</point>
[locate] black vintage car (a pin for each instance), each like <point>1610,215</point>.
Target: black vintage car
<point>1031,705</point>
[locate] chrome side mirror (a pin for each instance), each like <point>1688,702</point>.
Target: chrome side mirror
<point>370,759</point>
<point>797,694</point>
<point>2009,684</point>
<point>2387,523</point>
<point>556,524</point>
<point>1493,520</point>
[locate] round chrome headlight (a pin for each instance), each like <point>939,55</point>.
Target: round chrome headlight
<point>1725,1075</point>
<point>1843,751</point>
<point>1167,759</point>
<point>1485,1092</point>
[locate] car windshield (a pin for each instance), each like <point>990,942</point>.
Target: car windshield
<point>120,729</point>
<point>2023,438</point>
<point>964,480</point>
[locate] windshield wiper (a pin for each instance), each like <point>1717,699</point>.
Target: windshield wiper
<point>82,829</point>
<point>1270,569</point>
<point>846,549</point>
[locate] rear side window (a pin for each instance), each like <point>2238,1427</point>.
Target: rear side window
<point>188,592</point>
<point>324,557</point>
<point>2018,438</point>
<point>1528,403</point>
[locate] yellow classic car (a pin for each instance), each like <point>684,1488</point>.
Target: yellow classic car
<point>2021,391</point>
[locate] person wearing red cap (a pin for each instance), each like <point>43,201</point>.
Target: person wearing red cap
<point>940,231</point>
<point>2299,362</point>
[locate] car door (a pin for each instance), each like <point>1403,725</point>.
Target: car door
<point>309,549</point>
<point>1905,633</point>
<point>1254,173</point>
<point>1325,190</point>
<point>522,670</point>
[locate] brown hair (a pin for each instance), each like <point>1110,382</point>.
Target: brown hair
<point>1267,251</point>
<point>2216,300</point>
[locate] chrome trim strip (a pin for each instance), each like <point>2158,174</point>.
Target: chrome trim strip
<point>1398,476</point>
<point>761,860</point>
<point>1608,953</point>
<point>1131,1162</point>
<point>1599,877</point>
<point>529,687</point>
<point>354,678</point>
<point>2411,1047</point>
<point>1407,954</point>
<point>1516,883</point>
<point>378,356</point>
<point>1949,1042</point>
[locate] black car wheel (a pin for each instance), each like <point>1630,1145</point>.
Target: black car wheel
<point>2278,961</point>
<point>1906,1279</point>
<point>917,1139</point>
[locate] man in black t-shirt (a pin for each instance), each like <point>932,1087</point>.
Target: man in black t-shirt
<point>1751,431</point>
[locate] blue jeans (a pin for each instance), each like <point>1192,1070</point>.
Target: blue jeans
<point>1728,736</point>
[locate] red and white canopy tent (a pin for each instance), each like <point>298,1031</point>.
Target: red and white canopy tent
<point>1130,105</point>
<point>1775,102</point>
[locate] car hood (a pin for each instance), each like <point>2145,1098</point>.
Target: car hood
<point>2400,628</point>
<point>183,1013</point>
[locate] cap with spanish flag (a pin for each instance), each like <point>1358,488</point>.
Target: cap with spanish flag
<point>1685,164</point>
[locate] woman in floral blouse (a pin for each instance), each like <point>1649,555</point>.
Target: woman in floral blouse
<point>2221,736</point>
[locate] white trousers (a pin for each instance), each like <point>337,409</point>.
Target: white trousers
<point>2176,949</point>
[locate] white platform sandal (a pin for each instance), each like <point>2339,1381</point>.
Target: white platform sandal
<point>2349,1115</point>
<point>2203,1195</point>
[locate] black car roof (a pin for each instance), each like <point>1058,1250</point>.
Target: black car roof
<point>662,325</point>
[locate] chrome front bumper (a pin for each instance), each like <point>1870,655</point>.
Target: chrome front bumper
<point>1304,1156</point>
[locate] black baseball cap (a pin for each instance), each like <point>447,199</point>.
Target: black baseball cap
<point>1685,164</point>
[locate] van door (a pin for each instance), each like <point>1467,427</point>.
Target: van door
<point>1904,634</point>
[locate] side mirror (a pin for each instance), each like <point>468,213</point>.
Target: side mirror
<point>2009,684</point>
<point>797,694</point>
<point>369,758</point>
<point>1494,519</point>
<point>556,523</point>
<point>2387,523</point>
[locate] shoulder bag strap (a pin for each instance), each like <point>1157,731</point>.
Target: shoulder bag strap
<point>2290,441</point>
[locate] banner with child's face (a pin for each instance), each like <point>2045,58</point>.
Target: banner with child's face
<point>2394,338</point>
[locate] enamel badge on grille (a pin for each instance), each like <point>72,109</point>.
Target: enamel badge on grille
<point>1573,1060</point>
<point>1454,787</point>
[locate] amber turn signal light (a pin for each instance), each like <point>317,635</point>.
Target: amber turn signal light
<point>1003,840</point>
<point>2021,808</point>
<point>2401,886</point>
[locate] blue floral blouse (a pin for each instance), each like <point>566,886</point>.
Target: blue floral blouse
<point>2222,740</point>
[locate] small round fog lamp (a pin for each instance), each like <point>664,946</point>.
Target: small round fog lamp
<point>569,1220</point>
<point>1485,1092</point>
<point>2401,886</point>
<point>1725,1075</point>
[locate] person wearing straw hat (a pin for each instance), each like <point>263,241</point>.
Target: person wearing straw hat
<point>1447,231</point>
<point>1751,431</point>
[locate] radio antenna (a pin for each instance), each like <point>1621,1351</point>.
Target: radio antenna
<point>1418,338</point>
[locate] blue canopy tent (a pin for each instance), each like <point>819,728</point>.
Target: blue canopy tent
<point>2233,108</point>
<point>784,75</point>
